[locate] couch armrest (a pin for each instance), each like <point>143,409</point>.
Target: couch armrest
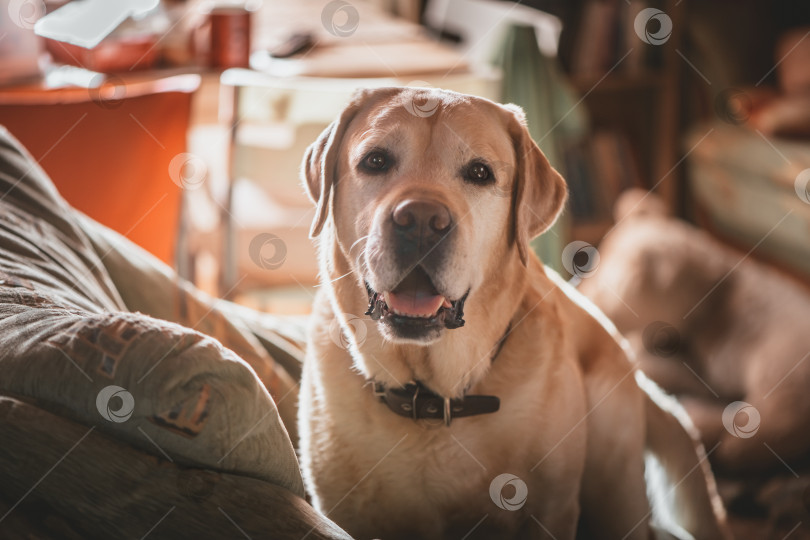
<point>91,486</point>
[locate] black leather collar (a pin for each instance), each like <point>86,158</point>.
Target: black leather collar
<point>417,401</point>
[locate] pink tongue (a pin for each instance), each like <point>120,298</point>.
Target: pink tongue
<point>414,304</point>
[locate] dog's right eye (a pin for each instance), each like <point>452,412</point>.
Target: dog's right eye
<point>478,172</point>
<point>376,161</point>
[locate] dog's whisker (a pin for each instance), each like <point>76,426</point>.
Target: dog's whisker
<point>366,237</point>
<point>336,279</point>
<point>358,262</point>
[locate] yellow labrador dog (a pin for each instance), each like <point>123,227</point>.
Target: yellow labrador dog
<point>474,394</point>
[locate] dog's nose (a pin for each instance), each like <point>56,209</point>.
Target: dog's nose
<point>421,214</point>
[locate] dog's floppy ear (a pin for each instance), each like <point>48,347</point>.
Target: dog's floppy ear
<point>320,164</point>
<point>319,168</point>
<point>539,192</point>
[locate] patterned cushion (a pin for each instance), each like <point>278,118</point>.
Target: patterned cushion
<point>73,340</point>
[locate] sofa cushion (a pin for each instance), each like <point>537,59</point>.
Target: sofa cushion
<point>70,341</point>
<point>271,345</point>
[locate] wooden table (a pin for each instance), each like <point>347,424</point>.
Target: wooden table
<point>380,45</point>
<point>108,149</point>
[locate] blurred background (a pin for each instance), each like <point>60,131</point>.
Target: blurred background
<point>182,125</point>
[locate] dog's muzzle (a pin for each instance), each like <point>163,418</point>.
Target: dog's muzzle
<point>418,235</point>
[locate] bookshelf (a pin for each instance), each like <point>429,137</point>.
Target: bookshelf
<point>631,89</point>
<point>616,83</point>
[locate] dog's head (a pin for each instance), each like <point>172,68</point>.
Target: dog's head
<point>426,195</point>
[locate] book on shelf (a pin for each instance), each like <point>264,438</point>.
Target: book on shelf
<point>606,40</point>
<point>593,48</point>
<point>598,169</point>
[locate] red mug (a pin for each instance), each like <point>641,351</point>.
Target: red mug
<point>230,37</point>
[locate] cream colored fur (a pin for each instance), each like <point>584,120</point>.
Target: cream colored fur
<point>574,425</point>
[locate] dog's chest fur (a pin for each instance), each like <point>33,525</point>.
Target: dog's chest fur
<point>379,474</point>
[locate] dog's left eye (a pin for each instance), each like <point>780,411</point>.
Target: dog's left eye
<point>376,161</point>
<point>478,172</point>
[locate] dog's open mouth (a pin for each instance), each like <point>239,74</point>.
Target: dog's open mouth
<point>415,306</point>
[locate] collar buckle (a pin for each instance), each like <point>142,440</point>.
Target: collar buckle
<point>414,413</point>
<point>378,389</point>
